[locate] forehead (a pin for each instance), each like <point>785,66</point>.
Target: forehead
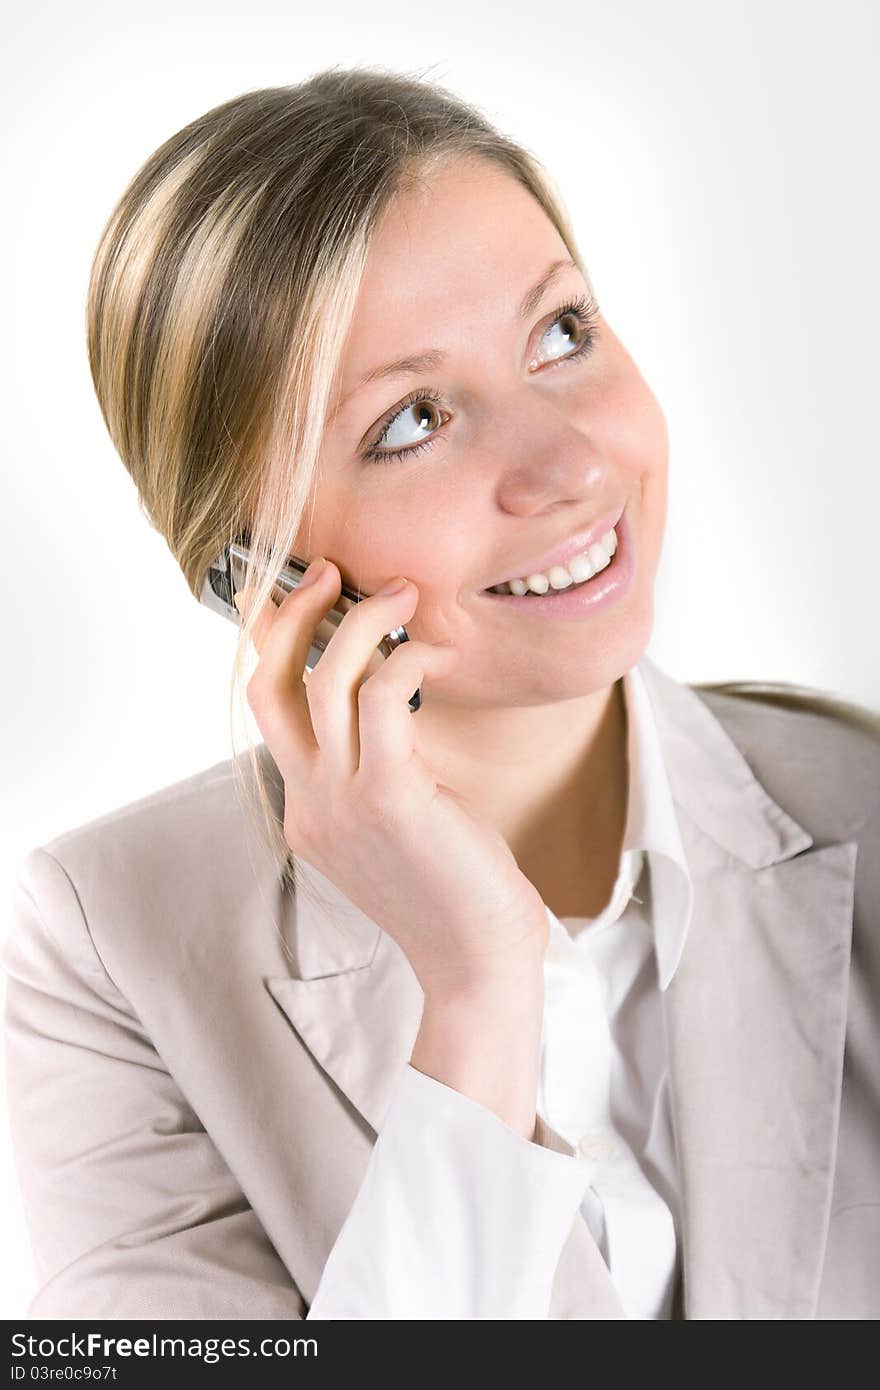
<point>443,252</point>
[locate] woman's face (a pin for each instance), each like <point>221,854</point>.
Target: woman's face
<point>513,444</point>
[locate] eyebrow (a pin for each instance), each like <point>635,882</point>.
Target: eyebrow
<point>432,357</point>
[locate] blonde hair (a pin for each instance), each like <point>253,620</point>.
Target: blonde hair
<point>221,290</point>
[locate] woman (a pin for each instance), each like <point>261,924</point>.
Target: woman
<point>554,999</point>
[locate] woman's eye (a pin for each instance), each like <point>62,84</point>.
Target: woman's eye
<point>569,332</point>
<point>409,430</point>
<point>415,421</point>
<point>412,425</point>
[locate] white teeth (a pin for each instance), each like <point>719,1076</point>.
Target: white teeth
<point>578,569</point>
<point>559,577</point>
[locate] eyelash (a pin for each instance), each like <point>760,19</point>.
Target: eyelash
<point>584,309</point>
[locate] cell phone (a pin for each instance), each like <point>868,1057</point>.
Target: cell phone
<point>227,575</point>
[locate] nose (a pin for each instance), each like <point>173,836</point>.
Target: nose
<point>545,459</point>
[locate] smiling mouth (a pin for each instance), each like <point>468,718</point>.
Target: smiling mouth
<point>559,579</point>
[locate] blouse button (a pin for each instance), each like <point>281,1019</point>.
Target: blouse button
<point>599,1144</point>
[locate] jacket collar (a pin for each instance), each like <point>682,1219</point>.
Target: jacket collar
<point>711,781</point>
<point>708,779</point>
<point>754,1020</point>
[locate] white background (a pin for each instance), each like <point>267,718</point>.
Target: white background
<point>719,165</point>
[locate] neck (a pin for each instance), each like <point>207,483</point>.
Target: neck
<point>552,779</point>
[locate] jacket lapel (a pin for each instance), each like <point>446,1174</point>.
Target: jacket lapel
<point>754,1019</point>
<point>359,1013</point>
<point>755,1022</point>
<point>357,1006</point>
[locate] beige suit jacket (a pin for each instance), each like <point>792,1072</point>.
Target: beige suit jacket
<point>198,1061</point>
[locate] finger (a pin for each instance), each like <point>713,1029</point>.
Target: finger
<point>386,729</point>
<point>276,691</point>
<point>289,631</point>
<point>333,685</point>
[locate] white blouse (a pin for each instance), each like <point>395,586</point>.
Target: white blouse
<point>460,1216</point>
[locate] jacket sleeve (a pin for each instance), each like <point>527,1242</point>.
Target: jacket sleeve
<point>131,1211</point>
<point>458,1215</point>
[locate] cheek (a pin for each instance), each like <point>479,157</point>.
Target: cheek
<point>395,529</point>
<point>655,475</point>
<point>636,442</point>
<point>652,517</point>
<point>639,433</point>
<point>430,545</point>
<point>434,549</point>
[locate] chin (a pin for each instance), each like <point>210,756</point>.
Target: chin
<point>603,661</point>
<point>600,667</point>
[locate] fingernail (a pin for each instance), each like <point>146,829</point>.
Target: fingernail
<point>314,571</point>
<point>393,586</point>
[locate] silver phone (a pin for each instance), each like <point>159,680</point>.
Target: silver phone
<point>227,575</point>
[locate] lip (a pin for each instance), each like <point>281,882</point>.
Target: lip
<point>583,600</point>
<point>575,545</point>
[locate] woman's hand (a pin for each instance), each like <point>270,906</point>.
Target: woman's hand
<point>365,809</point>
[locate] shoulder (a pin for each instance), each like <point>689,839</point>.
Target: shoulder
<point>149,821</point>
<point>195,820</point>
<point>817,755</point>
<point>147,877</point>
